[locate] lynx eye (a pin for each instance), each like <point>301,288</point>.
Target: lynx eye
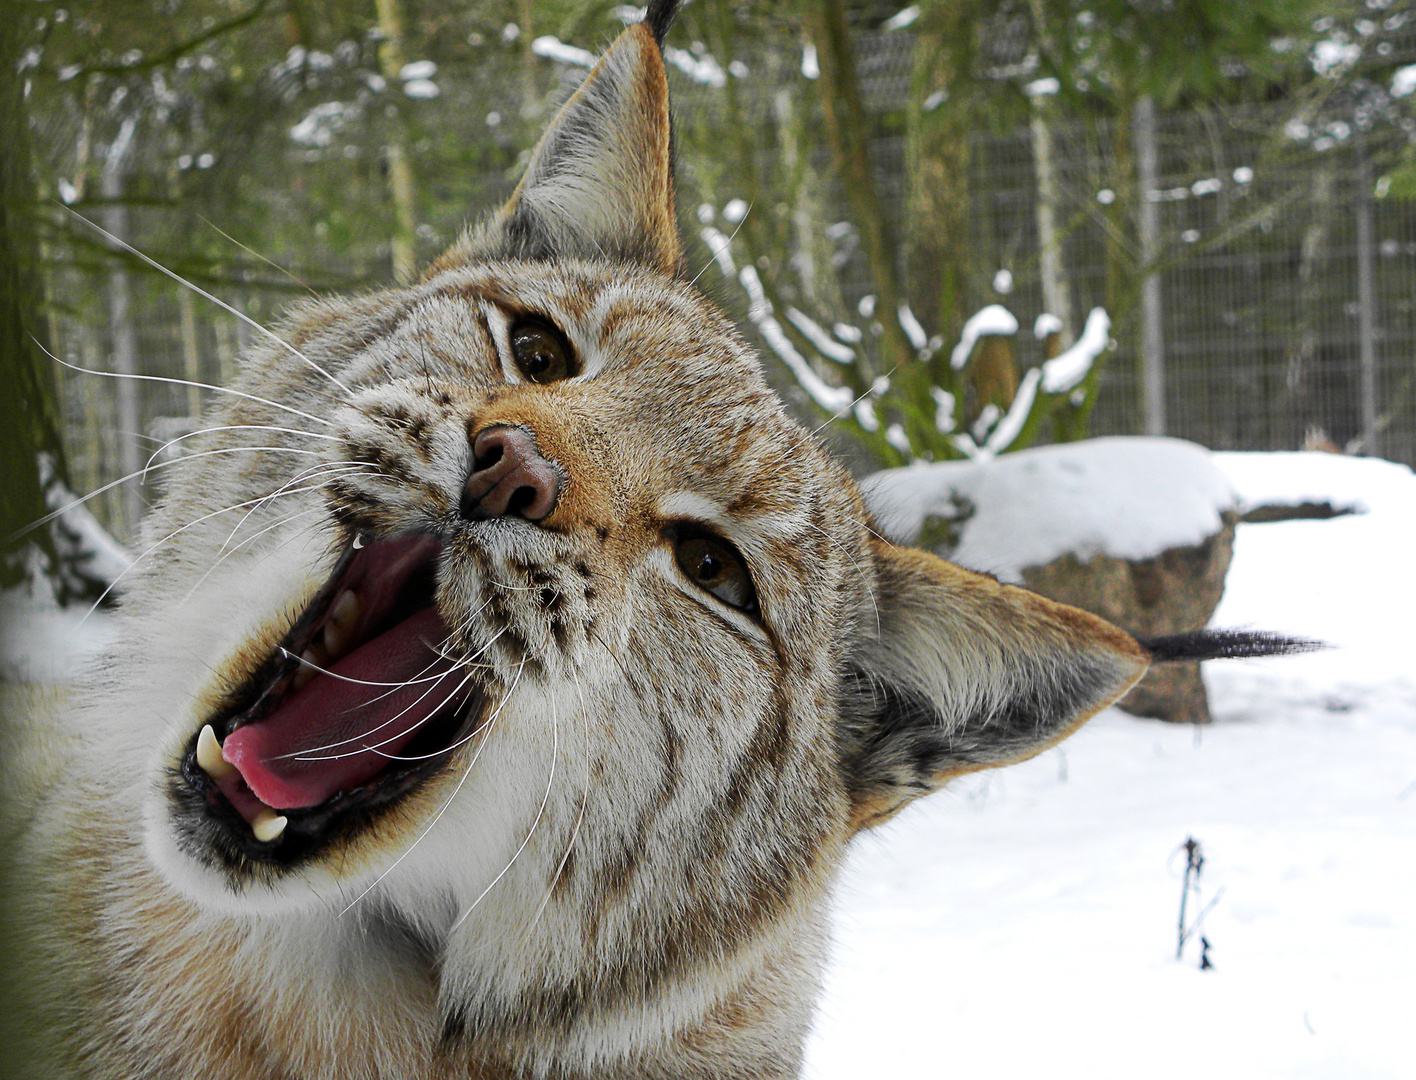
<point>715,566</point>
<point>540,352</point>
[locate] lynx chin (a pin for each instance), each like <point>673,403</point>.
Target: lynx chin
<point>505,677</point>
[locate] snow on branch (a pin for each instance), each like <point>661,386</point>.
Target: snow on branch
<point>1064,371</point>
<point>821,341</point>
<point>830,398</point>
<point>992,320</point>
<point>553,48</point>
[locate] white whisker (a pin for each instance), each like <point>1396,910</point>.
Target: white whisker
<point>141,473</point>
<point>310,753</point>
<point>183,382</point>
<point>727,244</point>
<point>580,817</point>
<point>271,334</point>
<point>250,539</point>
<point>854,402</point>
<point>324,470</point>
<point>545,800</point>
<point>867,582</point>
<point>232,427</point>
<point>448,801</point>
<point>170,536</point>
<point>361,682</point>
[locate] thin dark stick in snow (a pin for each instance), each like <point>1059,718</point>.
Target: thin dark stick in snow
<point>1194,862</point>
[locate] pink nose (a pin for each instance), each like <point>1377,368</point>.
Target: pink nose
<point>509,476</point>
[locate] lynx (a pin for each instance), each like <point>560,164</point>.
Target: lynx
<point>505,676</point>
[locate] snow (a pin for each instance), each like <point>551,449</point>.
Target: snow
<point>720,245</point>
<point>864,410</point>
<point>912,328</point>
<point>994,431</point>
<point>1068,368</point>
<point>1403,81</point>
<point>1306,477</point>
<point>902,18</point>
<point>552,48</point>
<point>417,69</point>
<point>1022,923</point>
<point>1334,57</point>
<point>320,124</point>
<point>820,340</point>
<point>1130,498</point>
<point>831,399</point>
<point>994,319</point>
<point>701,69</point>
<point>810,66</point>
<point>42,642</point>
<point>943,409</point>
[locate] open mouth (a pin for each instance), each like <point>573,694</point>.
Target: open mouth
<point>357,706</point>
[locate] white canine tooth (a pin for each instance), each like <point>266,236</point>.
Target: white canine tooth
<point>267,825</point>
<point>209,755</point>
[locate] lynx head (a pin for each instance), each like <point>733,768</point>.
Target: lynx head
<point>507,616</point>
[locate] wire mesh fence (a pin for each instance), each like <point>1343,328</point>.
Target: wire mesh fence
<point>1286,279</point>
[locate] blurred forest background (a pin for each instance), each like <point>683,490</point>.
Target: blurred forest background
<point>1231,186</point>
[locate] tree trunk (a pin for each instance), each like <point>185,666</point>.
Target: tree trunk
<point>1152,369</point>
<point>29,411</point>
<point>123,335</point>
<point>849,134</point>
<point>938,169</point>
<point>1052,270</point>
<point>401,185</point>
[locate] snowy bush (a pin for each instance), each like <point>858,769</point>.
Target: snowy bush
<point>986,394</point>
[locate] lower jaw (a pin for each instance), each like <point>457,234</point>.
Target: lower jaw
<point>218,834</point>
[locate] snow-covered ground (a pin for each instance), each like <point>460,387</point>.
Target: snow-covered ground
<point>1023,922</point>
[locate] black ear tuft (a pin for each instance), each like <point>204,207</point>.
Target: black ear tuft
<point>1224,645</point>
<point>660,16</point>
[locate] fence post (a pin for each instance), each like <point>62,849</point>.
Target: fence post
<point>1366,303</point>
<point>1152,333</point>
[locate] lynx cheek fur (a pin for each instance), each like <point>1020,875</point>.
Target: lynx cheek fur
<point>506,678</point>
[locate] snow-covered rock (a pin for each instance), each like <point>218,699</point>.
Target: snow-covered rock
<point>1129,498</point>
<point>1138,531</point>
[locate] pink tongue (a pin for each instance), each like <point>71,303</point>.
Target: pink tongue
<point>334,735</point>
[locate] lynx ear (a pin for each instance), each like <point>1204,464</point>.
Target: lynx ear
<point>600,183</point>
<point>965,673</point>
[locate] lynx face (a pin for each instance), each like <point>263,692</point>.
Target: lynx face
<point>509,671</point>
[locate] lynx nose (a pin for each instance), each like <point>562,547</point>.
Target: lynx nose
<point>509,476</point>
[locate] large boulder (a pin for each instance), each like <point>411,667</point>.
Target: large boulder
<point>1170,592</point>
<point>1137,530</point>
